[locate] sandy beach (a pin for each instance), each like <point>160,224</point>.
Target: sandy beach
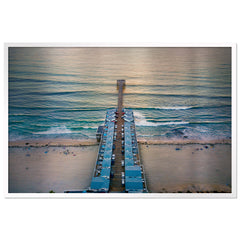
<point>187,168</point>
<point>44,166</point>
<point>44,169</point>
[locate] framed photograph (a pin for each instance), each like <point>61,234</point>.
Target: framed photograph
<point>121,120</point>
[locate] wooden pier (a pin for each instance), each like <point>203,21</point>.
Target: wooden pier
<point>118,167</point>
<point>116,181</point>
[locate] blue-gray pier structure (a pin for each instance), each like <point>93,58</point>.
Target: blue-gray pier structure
<point>118,168</point>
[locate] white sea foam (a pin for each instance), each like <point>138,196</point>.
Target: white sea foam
<point>140,120</point>
<point>88,127</point>
<point>151,124</point>
<point>174,108</point>
<point>56,130</point>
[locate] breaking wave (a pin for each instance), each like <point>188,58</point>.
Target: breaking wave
<point>140,120</point>
<point>174,108</point>
<point>56,130</point>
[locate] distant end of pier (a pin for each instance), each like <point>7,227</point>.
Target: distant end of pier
<point>121,83</point>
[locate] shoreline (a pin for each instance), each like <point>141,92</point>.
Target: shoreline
<point>182,141</point>
<point>93,142</point>
<point>53,143</point>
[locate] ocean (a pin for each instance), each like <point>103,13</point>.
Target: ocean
<point>175,93</point>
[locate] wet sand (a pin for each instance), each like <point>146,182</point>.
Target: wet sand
<point>44,166</point>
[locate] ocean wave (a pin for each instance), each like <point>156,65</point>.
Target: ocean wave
<point>180,107</point>
<point>64,130</point>
<point>26,73</point>
<point>151,124</point>
<point>174,108</point>
<point>177,95</point>
<point>93,109</point>
<point>173,86</point>
<point>55,130</point>
<point>57,93</point>
<point>57,109</point>
<point>88,127</point>
<point>210,122</point>
<point>140,120</point>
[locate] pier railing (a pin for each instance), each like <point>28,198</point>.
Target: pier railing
<point>139,156</point>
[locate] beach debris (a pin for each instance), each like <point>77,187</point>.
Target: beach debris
<point>201,148</point>
<point>206,147</point>
<point>46,152</point>
<point>74,154</point>
<point>66,152</point>
<point>26,143</point>
<point>26,168</point>
<point>177,149</point>
<point>28,155</point>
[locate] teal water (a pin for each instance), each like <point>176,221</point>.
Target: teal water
<point>175,93</point>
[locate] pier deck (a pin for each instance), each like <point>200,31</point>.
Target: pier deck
<point>118,167</point>
<point>116,181</point>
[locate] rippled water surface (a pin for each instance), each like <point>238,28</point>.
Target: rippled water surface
<point>174,92</point>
